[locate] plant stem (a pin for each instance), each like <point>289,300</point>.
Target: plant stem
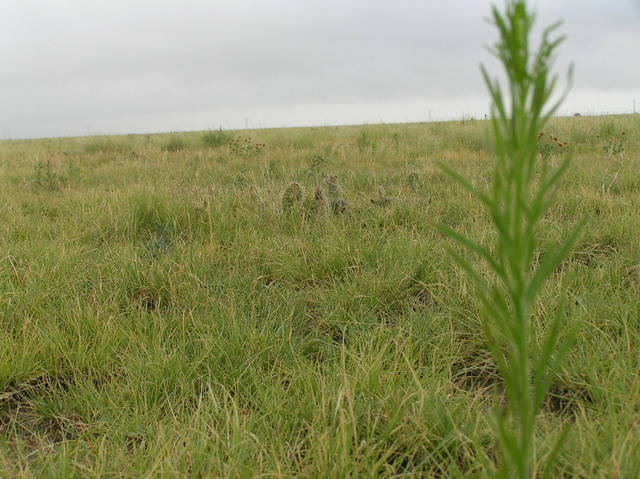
<point>518,198</point>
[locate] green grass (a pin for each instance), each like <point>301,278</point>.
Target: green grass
<point>162,316</point>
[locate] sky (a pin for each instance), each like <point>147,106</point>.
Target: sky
<point>84,67</point>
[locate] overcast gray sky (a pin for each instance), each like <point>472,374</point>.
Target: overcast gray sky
<point>77,67</point>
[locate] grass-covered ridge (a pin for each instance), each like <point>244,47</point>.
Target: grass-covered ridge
<point>167,310</point>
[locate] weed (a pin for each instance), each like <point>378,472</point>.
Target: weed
<point>245,146</point>
<point>614,144</point>
<point>317,164</point>
<point>413,180</point>
<point>46,176</point>
<point>215,139</point>
<point>395,138</point>
<point>516,202</point>
<point>365,144</point>
<point>549,145</point>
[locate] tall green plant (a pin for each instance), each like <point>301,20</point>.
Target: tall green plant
<point>520,192</point>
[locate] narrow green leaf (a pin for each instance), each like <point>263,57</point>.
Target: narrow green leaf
<point>553,455</point>
<point>472,246</point>
<point>465,184</point>
<point>551,262</point>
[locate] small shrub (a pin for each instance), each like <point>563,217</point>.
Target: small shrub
<point>215,139</point>
<point>317,164</point>
<point>47,177</point>
<point>365,145</point>
<point>614,144</point>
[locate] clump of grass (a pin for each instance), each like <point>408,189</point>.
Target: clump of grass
<point>215,139</point>
<point>518,197</point>
<point>173,145</point>
<point>153,221</point>
<point>157,221</point>
<point>104,145</point>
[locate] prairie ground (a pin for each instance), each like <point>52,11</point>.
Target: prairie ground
<point>190,305</point>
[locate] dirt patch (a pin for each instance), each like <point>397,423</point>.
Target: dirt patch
<point>24,422</point>
<point>476,372</point>
<point>567,400</point>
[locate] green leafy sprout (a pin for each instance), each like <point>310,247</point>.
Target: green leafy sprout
<point>521,190</point>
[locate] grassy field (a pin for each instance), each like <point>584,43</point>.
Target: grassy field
<point>278,303</point>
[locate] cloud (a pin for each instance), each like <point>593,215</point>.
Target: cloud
<point>143,66</point>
